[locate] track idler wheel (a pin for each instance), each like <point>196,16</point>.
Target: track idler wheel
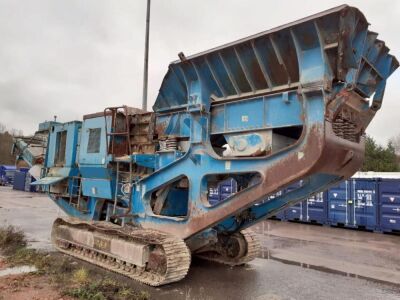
<point>234,249</point>
<point>233,246</point>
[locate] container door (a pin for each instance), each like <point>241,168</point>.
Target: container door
<point>295,212</point>
<point>227,188</point>
<point>389,194</point>
<point>364,203</point>
<point>316,209</point>
<point>19,181</point>
<point>213,195</point>
<point>339,208</point>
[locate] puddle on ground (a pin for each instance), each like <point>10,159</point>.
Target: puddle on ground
<point>17,270</point>
<point>265,253</point>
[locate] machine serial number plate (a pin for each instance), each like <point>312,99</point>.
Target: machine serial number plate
<point>102,244</point>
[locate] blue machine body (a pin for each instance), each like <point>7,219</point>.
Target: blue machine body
<point>267,111</point>
<point>32,149</point>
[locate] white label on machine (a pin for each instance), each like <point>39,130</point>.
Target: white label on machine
<point>228,165</point>
<point>143,190</point>
<point>245,118</point>
<point>392,221</point>
<point>300,155</point>
<point>94,191</point>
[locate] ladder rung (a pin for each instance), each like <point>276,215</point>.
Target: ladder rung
<point>117,133</point>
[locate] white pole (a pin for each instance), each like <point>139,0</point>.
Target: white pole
<point>146,58</point>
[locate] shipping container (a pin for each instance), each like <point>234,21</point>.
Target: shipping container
<point>312,210</point>
<point>292,213</point>
<point>365,203</point>
<point>316,209</point>
<point>339,204</point>
<point>222,191</point>
<point>281,215</point>
<point>354,203</point>
<point>295,212</point>
<point>7,174</point>
<point>19,181</point>
<point>389,206</point>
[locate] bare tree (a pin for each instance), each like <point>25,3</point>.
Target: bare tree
<point>16,132</point>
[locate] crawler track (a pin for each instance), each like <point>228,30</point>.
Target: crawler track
<point>253,249</point>
<point>176,253</point>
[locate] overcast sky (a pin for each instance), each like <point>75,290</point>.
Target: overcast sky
<point>73,57</point>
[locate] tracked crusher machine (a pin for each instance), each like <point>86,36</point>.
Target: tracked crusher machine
<point>285,107</point>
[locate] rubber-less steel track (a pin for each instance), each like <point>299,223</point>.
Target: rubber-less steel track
<point>176,253</point>
<point>253,249</point>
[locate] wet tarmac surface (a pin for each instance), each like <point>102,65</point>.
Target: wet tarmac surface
<point>268,279</point>
<point>312,247</point>
<point>348,252</point>
<point>34,213</point>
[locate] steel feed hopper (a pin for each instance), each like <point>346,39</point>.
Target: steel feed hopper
<point>288,106</point>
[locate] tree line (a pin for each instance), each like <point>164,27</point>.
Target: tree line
<point>382,158</point>
<point>6,142</point>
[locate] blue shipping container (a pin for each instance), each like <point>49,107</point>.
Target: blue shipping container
<point>19,181</point>
<point>370,203</point>
<point>365,203</point>
<point>316,209</point>
<point>313,210</point>
<point>7,174</point>
<point>295,212</point>
<point>389,212</point>
<point>337,204</point>
<point>354,203</point>
<point>222,191</point>
<point>281,214</point>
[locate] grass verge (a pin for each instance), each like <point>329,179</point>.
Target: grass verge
<point>11,240</point>
<point>64,272</point>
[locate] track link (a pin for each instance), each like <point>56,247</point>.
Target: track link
<point>176,253</point>
<point>253,249</point>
